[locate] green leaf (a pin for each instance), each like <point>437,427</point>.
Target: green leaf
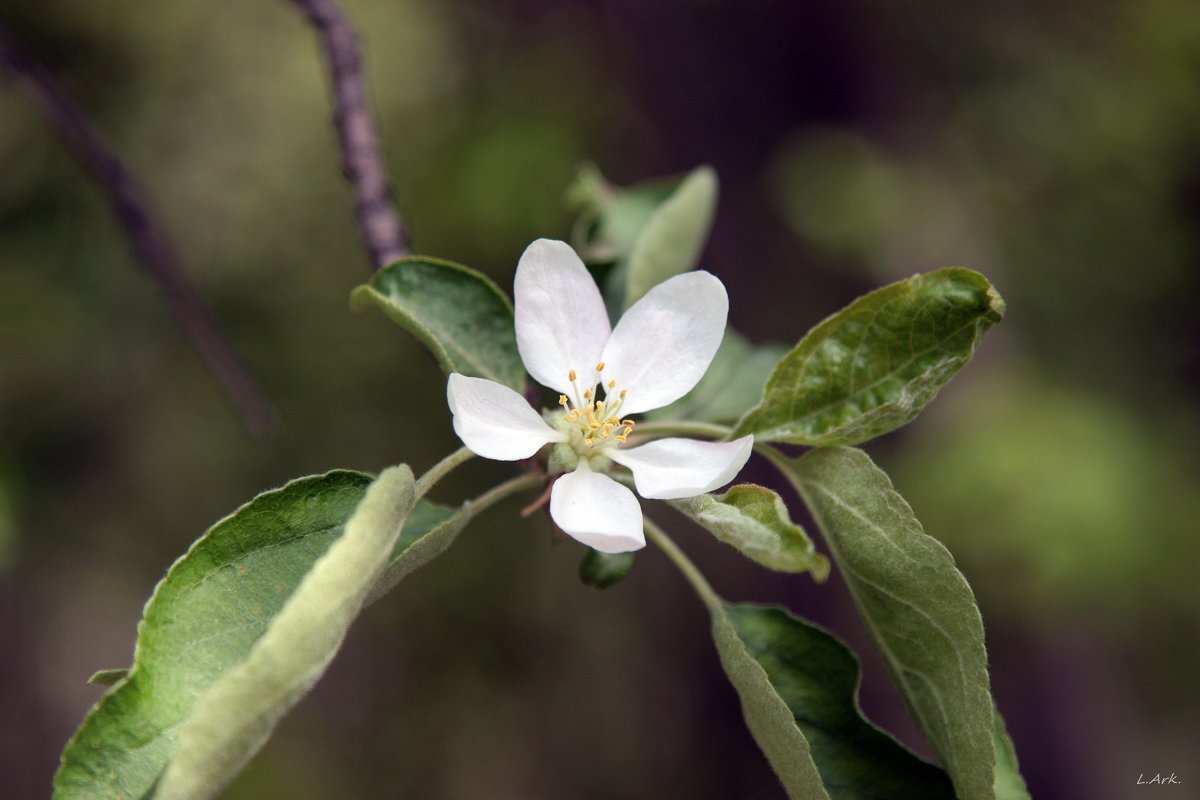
<point>874,365</point>
<point>674,236</point>
<point>602,570</point>
<point>916,605</point>
<point>234,718</point>
<point>1009,783</point>
<point>107,677</point>
<point>767,715</point>
<point>755,521</point>
<point>430,529</point>
<point>817,678</point>
<point>643,233</point>
<point>460,314</point>
<point>203,618</point>
<point>734,382</point>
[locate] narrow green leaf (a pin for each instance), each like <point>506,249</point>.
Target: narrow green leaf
<point>674,236</point>
<point>734,382</point>
<point>754,520</point>
<point>233,719</point>
<point>872,367</point>
<point>460,314</point>
<point>916,604</point>
<point>203,618</point>
<point>817,677</point>
<point>768,717</point>
<point>602,570</point>
<point>1009,783</point>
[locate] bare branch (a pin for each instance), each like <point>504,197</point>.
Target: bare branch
<point>362,157</point>
<point>145,234</point>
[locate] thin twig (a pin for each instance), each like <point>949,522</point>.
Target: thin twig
<point>145,234</point>
<point>362,156</point>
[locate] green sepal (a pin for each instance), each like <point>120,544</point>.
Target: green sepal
<point>602,570</point>
<point>872,367</point>
<point>460,314</point>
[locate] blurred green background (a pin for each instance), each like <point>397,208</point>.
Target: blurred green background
<point>1054,147</point>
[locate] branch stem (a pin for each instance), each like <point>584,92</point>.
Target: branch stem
<point>685,564</point>
<point>441,470</point>
<point>383,230</point>
<point>145,233</point>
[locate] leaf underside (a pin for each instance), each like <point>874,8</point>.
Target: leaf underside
<point>917,606</point>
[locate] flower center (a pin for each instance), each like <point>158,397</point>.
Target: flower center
<point>597,421</point>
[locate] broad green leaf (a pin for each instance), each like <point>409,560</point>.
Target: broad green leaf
<point>601,570</point>
<point>755,521</point>
<point>817,678</point>
<point>234,718</point>
<point>674,236</point>
<point>916,605</point>
<point>460,314</point>
<point>1009,783</point>
<point>872,367</point>
<point>734,382</point>
<point>767,715</point>
<point>203,618</point>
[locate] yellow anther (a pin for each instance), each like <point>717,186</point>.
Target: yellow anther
<point>620,437</point>
<point>600,406</point>
<point>587,394</point>
<point>626,432</point>
<point>562,400</point>
<point>623,393</point>
<point>628,422</point>
<point>600,367</point>
<point>572,415</point>
<point>588,441</point>
<point>571,376</point>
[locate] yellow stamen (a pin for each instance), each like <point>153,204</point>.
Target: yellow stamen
<point>588,441</point>
<point>600,367</point>
<point>620,437</point>
<point>562,400</point>
<point>612,384</point>
<point>587,394</point>
<point>623,393</point>
<point>570,375</point>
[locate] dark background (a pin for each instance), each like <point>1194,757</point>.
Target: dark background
<point>1053,146</point>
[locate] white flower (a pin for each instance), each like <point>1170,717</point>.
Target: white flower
<point>658,351</point>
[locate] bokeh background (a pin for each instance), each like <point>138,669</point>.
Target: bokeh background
<point>1053,146</point>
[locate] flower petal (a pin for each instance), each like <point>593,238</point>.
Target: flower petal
<point>598,511</point>
<point>493,421</point>
<point>667,469</point>
<point>560,316</point>
<point>663,345</point>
